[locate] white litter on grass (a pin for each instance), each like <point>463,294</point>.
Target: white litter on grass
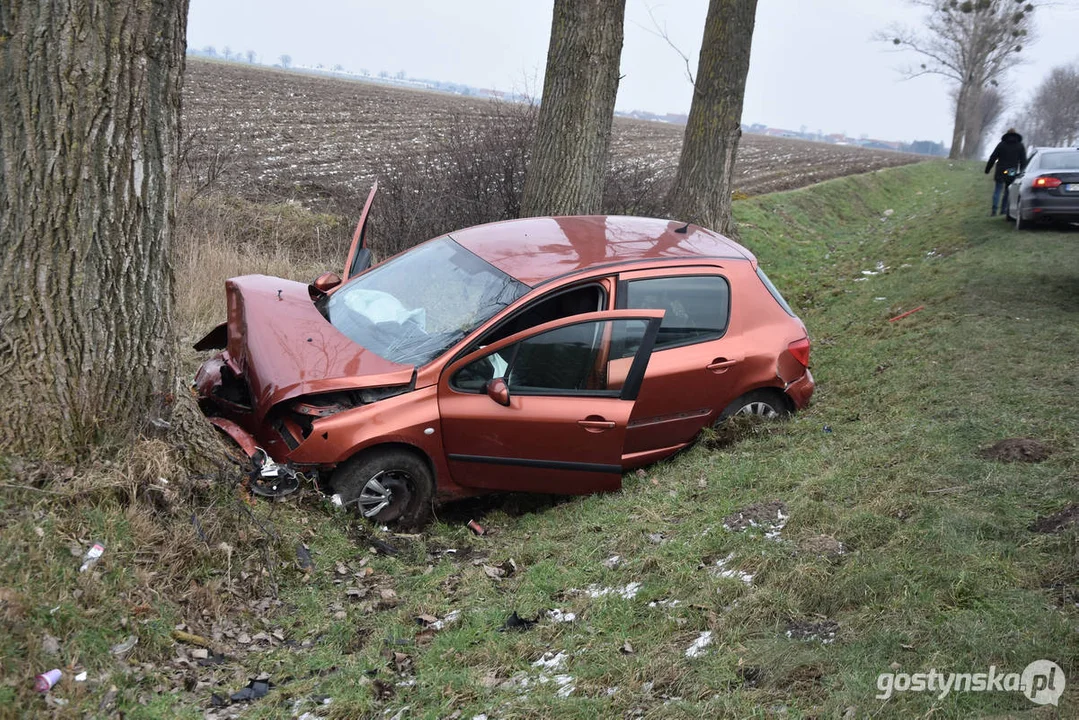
<point>565,685</point>
<point>612,562</point>
<point>879,299</point>
<point>551,661</point>
<point>451,617</point>
<point>698,646</point>
<point>558,616</point>
<point>627,592</point>
<point>869,272</point>
<point>722,571</point>
<point>81,677</point>
<point>777,527</point>
<point>665,603</point>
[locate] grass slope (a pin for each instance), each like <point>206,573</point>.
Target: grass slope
<point>939,568</point>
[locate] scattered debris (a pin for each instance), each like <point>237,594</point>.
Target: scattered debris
<point>698,646</point>
<point>900,316</point>
<point>558,616</point>
<point>626,592</point>
<point>551,660</point>
<point>91,557</point>
<point>517,623</point>
<point>1009,450</point>
<point>612,562</point>
<point>125,647</point>
<point>722,571</point>
<point>254,690</point>
<point>772,516</point>
<point>626,648</point>
<point>476,528</point>
<point>665,603</point>
<point>657,538</point>
<point>44,682</point>
<point>81,677</point>
<point>824,630</point>
<point>889,212</point>
<point>303,557</point>
<point>1057,522</point>
<point>451,617</point>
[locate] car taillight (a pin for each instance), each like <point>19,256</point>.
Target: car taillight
<point>800,350</point>
<point>1047,181</point>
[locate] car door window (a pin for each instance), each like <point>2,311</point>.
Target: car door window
<point>697,307</point>
<point>570,360</point>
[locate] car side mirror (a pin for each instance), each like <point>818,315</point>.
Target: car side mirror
<point>499,391</point>
<point>327,281</point>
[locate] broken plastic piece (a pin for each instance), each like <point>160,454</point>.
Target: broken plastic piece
<point>91,557</point>
<point>254,690</point>
<point>517,623</point>
<point>44,682</point>
<point>125,646</point>
<point>908,312</point>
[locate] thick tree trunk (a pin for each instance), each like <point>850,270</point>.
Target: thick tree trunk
<point>573,133</point>
<point>89,137</point>
<point>972,126</point>
<point>701,192</point>
<point>959,126</point>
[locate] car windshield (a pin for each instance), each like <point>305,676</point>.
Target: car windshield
<point>1060,161</point>
<point>414,307</point>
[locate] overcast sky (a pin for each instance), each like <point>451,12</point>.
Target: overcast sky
<point>813,64</point>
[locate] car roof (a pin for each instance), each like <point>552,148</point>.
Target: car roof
<point>540,249</point>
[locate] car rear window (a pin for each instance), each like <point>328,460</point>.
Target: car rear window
<point>697,306</point>
<point>1059,160</point>
<point>775,293</point>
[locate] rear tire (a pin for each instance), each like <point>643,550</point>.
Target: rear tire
<point>1019,224</point>
<point>765,403</point>
<point>390,486</point>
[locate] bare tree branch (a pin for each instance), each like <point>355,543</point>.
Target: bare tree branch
<point>661,32</point>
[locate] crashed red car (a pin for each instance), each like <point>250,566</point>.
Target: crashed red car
<point>542,355</point>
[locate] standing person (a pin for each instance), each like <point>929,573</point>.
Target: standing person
<point>1011,158</point>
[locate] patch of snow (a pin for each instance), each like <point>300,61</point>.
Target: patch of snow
<point>698,646</point>
<point>627,592</point>
<point>665,603</point>
<point>451,617</point>
<point>558,616</point>
<point>612,562</point>
<point>551,661</point>
<point>722,571</point>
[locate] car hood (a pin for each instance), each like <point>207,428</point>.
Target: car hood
<point>284,347</point>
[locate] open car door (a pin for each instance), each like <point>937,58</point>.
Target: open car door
<point>538,412</point>
<point>359,257</point>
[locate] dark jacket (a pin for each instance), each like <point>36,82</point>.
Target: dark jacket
<point>1009,154</point>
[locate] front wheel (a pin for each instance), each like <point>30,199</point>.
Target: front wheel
<point>764,403</point>
<point>387,486</point>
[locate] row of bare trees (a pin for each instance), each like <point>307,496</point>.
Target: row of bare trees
<point>1052,116</point>
<point>569,156</point>
<point>972,43</point>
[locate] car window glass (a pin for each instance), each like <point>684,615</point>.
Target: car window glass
<point>1060,161</point>
<point>567,360</point>
<point>696,307</point>
<point>563,304</point>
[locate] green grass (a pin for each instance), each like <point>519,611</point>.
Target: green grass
<point>940,570</point>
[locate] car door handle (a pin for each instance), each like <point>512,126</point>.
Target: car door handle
<point>720,365</point>
<point>596,424</point>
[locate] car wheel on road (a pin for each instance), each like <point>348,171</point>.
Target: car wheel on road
<point>1019,224</point>
<point>767,404</point>
<point>387,486</point>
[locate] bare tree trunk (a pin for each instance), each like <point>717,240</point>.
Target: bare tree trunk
<point>959,126</point>
<point>702,186</point>
<point>972,125</point>
<point>89,138</point>
<point>573,134</point>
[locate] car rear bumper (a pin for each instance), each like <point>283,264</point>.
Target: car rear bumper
<point>801,390</point>
<point>1050,206</point>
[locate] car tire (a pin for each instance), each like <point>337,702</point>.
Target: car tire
<point>765,403</point>
<point>1019,224</point>
<point>388,486</point>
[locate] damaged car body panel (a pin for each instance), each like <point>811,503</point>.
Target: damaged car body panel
<point>541,355</point>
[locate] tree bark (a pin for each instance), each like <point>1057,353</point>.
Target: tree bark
<point>89,138</point>
<point>701,192</point>
<point>573,133</point>
<point>959,125</point>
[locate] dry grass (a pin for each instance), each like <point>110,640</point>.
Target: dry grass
<point>218,238</point>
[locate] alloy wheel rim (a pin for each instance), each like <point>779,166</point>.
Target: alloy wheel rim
<point>759,409</point>
<point>387,489</point>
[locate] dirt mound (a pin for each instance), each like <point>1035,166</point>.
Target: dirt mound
<point>1058,521</point>
<point>1016,450</point>
<point>769,514</point>
<point>823,545</point>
